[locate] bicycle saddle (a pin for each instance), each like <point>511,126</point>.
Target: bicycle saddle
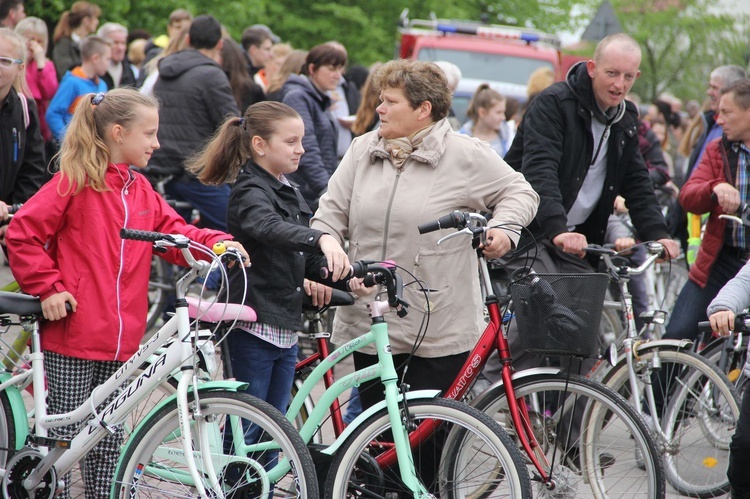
<point>339,298</point>
<point>219,312</point>
<point>19,304</point>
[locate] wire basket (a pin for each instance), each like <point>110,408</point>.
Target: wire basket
<point>559,314</point>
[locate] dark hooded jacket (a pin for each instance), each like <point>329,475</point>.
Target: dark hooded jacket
<point>320,140</point>
<point>553,149</point>
<point>195,99</point>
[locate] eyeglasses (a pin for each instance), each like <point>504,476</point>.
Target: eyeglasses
<point>7,62</point>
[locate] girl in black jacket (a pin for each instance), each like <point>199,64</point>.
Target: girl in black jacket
<point>268,215</point>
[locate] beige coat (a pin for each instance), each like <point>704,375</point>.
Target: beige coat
<point>378,208</point>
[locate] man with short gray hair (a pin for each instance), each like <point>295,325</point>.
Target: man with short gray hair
<point>120,72</point>
<point>721,77</point>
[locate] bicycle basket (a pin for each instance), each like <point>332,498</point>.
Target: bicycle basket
<point>559,314</point>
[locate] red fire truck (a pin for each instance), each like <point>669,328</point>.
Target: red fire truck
<point>503,56</point>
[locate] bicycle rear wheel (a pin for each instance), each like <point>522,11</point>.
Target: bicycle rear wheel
<point>7,430</point>
<point>698,420</point>
<point>153,463</point>
<point>588,434</point>
<point>466,456</point>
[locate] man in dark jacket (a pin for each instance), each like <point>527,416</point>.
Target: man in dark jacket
<point>196,98</point>
<point>120,72</point>
<point>578,147</point>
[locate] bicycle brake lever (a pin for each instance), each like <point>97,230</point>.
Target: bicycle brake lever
<point>465,230</point>
<point>732,218</point>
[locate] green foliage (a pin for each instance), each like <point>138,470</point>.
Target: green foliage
<point>682,44</point>
<point>368,28</point>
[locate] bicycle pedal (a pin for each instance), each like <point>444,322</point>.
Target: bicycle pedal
<point>50,442</point>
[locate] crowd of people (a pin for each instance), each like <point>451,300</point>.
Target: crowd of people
<point>293,155</point>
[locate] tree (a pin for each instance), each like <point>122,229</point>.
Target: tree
<point>368,28</point>
<point>682,41</point>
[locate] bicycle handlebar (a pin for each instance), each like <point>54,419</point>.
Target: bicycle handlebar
<point>379,273</point>
<point>741,324</point>
<point>152,237</point>
<point>655,250</point>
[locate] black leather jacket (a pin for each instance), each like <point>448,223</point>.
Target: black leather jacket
<point>553,149</point>
<point>270,219</point>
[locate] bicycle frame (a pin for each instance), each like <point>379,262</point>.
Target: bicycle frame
<point>385,370</point>
<point>179,355</point>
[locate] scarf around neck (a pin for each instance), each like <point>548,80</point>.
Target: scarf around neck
<point>401,148</point>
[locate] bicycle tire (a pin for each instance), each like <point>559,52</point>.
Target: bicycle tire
<point>606,447</point>
<point>304,412</point>
<point>7,430</point>
<point>734,369</point>
<point>146,469</point>
<point>158,283</point>
<point>499,471</point>
<point>697,455</point>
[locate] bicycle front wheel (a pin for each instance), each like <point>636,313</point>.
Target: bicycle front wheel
<point>154,465</point>
<point>698,419</point>
<point>467,455</point>
<point>595,443</point>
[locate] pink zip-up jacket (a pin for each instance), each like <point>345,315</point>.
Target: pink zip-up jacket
<point>72,243</point>
<point>43,85</point>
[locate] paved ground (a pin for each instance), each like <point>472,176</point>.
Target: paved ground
<point>6,276</point>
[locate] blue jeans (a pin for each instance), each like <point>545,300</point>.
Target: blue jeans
<point>269,372</point>
<point>210,200</point>
<point>268,369</point>
<point>690,307</point>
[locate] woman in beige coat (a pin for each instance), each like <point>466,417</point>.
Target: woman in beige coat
<point>412,170</point>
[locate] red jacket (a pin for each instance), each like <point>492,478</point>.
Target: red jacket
<point>72,243</point>
<point>718,164</point>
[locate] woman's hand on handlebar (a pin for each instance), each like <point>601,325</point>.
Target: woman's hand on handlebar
<point>53,307</point>
<point>320,293</point>
<point>338,260</point>
<point>722,322</point>
<point>498,243</point>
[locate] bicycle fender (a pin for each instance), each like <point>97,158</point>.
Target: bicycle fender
<point>492,391</point>
<point>415,395</point>
<point>209,386</point>
<point>18,408</point>
<point>641,348</point>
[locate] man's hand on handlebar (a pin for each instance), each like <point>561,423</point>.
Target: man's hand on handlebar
<point>498,243</point>
<point>571,242</point>
<point>722,322</point>
<point>671,249</point>
<point>728,198</point>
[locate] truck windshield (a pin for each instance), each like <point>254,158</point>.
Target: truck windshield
<point>485,66</point>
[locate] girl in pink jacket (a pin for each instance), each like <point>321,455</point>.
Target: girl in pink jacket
<point>64,246</point>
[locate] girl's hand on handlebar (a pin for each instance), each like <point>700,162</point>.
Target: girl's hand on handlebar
<point>53,307</point>
<point>338,260</point>
<point>320,293</point>
<point>498,243</point>
<point>722,322</point>
<point>241,249</point>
